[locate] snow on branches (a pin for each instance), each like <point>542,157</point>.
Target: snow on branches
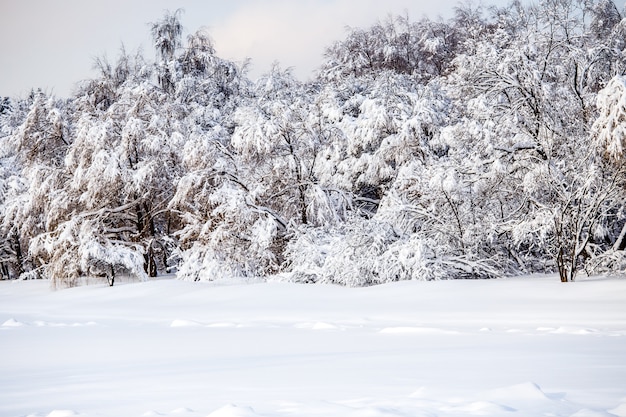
<point>610,126</point>
<point>468,148</point>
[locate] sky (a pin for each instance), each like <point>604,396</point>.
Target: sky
<point>52,44</point>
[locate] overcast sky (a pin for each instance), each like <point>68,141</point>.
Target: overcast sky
<point>52,44</point>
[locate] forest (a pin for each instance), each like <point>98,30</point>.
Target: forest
<point>489,144</point>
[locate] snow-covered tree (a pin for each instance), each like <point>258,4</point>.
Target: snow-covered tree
<point>610,126</point>
<point>423,49</point>
<point>166,36</point>
<point>13,194</point>
<point>211,202</point>
<point>488,144</point>
<point>535,79</point>
<point>274,138</point>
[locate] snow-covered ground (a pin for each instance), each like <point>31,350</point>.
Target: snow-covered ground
<point>510,347</point>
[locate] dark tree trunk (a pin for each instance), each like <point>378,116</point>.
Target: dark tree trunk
<point>112,277</point>
<point>149,264</point>
<point>5,271</point>
<point>18,254</point>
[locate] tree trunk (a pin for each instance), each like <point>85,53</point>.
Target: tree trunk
<point>112,277</point>
<point>18,255</point>
<point>566,265</point>
<point>561,265</point>
<point>303,216</point>
<point>149,264</point>
<point>620,242</point>
<point>5,271</point>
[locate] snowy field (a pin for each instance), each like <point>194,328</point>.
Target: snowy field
<point>508,347</point>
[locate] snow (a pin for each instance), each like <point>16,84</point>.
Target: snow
<point>527,346</point>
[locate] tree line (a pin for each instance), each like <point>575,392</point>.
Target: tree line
<point>485,145</point>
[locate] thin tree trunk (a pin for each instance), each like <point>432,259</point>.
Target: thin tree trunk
<point>620,243</point>
<point>18,255</point>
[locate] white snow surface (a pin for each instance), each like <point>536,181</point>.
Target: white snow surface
<point>527,346</point>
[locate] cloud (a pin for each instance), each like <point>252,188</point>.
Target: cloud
<point>52,44</point>
<point>296,33</point>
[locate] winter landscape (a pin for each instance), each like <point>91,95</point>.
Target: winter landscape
<point>432,225</point>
